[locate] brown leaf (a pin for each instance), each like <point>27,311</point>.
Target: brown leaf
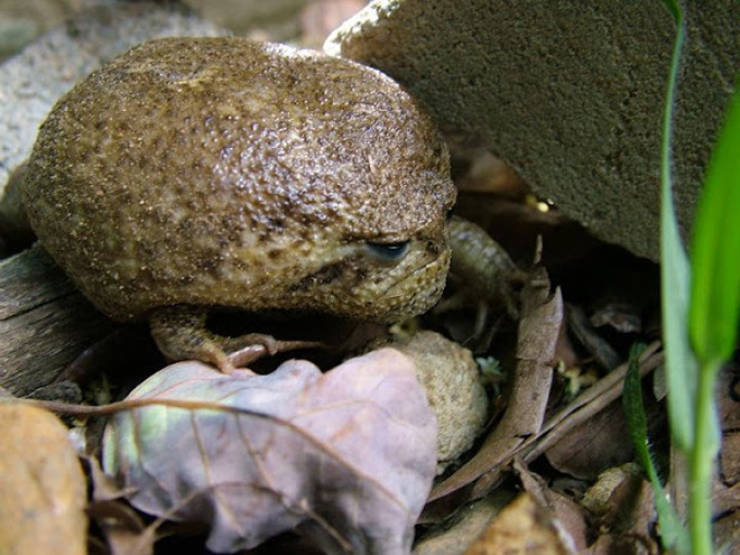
<point>726,533</point>
<point>467,525</point>
<point>348,457</point>
<point>616,544</point>
<point>42,488</point>
<point>582,328</point>
<point>566,514</point>
<point>522,527</point>
<point>627,515</point>
<point>728,397</point>
<point>588,403</point>
<point>728,408</point>
<point>725,498</point>
<point>730,457</point>
<point>593,446</point>
<point>123,528</point>
<point>621,315</point>
<point>542,316</point>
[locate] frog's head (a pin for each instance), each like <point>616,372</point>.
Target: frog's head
<point>376,196</point>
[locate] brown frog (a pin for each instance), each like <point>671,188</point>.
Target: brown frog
<point>191,174</point>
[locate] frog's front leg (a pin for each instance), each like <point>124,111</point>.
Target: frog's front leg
<point>485,268</point>
<point>180,333</point>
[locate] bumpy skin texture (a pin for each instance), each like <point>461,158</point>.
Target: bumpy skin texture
<point>224,172</point>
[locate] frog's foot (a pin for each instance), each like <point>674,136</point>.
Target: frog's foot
<point>181,334</point>
<point>249,352</point>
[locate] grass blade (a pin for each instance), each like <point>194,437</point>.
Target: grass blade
<point>715,254</point>
<point>672,533</point>
<point>713,316</point>
<point>675,274</point>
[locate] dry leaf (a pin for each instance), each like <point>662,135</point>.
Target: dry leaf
<point>726,533</point>
<point>539,328</point>
<point>583,330</point>
<point>348,457</point>
<point>591,447</point>
<point>728,409</point>
<point>457,534</point>
<point>567,516</point>
<point>625,503</point>
<point>42,488</point>
<point>522,527</point>
<point>730,457</point>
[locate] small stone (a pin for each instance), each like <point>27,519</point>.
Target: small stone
<point>451,379</point>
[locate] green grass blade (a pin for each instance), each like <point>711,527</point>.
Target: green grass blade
<point>672,533</point>
<point>675,275</point>
<point>673,7</point>
<point>715,253</point>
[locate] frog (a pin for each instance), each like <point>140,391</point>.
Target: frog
<point>191,175</point>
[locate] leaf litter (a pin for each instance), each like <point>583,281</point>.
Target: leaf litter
<point>346,458</point>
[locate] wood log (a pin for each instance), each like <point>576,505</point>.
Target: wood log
<point>45,322</point>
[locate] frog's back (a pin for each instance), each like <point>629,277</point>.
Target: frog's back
<point>220,171</point>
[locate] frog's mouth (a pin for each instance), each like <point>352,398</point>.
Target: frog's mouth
<point>418,290</point>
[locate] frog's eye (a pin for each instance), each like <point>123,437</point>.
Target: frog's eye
<point>389,251</point>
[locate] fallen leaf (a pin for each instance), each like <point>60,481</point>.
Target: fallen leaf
<point>728,409</point>
<point>615,544</point>
<point>596,499</point>
<point>730,457</point>
<point>42,488</point>
<point>346,458</point>
<point>539,328</point>
<point>455,536</point>
<point>593,446</point>
<point>582,328</point>
<point>623,316</point>
<point>522,527</point>
<point>124,529</point>
<point>627,516</point>
<point>587,404</point>
<point>725,498</point>
<point>567,516</point>
<point>728,397</point>
<point>726,533</point>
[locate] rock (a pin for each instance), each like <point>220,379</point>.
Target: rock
<point>15,32</point>
<point>452,382</point>
<point>276,20</point>
<point>33,80</point>
<point>42,485</point>
<point>569,94</point>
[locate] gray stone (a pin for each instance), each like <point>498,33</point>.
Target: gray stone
<point>15,32</point>
<point>570,93</point>
<point>33,80</point>
<point>454,389</point>
<point>276,19</point>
